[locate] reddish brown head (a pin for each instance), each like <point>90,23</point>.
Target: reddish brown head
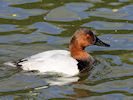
<point>81,39</point>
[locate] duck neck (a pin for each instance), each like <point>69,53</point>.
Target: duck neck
<point>78,52</point>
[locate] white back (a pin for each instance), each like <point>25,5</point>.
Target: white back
<point>52,61</point>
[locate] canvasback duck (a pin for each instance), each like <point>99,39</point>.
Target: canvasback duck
<point>62,61</point>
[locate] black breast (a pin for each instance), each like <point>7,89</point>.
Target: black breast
<point>83,64</point>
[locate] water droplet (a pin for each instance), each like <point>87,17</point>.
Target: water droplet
<point>116,30</point>
<point>14,15</point>
<point>114,10</point>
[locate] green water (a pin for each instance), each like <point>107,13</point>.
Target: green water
<point>31,26</point>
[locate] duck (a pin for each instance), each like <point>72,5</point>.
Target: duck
<point>68,63</point>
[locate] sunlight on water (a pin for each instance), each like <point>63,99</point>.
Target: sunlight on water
<point>28,27</point>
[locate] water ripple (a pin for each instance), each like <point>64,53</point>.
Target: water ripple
<point>69,12</point>
<point>101,25</point>
<point>124,13</point>
<point>19,13</point>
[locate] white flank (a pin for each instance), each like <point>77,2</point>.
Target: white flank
<point>58,61</point>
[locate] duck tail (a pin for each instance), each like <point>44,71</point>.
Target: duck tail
<point>10,63</point>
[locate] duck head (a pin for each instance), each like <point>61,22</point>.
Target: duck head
<point>81,39</point>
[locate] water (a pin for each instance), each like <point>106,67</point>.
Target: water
<point>31,26</point>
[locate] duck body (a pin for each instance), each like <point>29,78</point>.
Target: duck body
<point>69,63</point>
<point>51,61</point>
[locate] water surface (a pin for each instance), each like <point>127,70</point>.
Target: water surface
<point>31,26</point>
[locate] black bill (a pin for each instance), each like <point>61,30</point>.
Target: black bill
<point>98,42</point>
